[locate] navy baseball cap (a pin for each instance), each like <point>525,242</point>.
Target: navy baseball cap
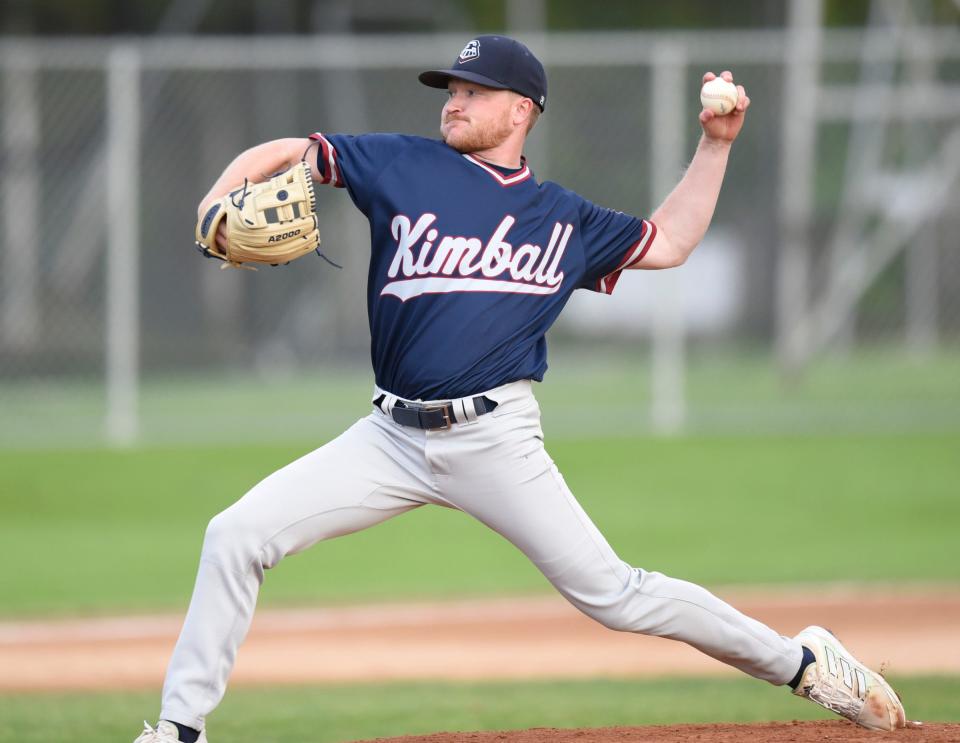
<point>497,62</point>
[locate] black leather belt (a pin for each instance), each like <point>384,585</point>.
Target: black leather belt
<point>436,416</point>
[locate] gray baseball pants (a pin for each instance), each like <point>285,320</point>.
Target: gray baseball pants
<point>493,467</point>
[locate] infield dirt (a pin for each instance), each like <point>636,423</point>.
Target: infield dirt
<point>909,630</point>
<point>833,731</point>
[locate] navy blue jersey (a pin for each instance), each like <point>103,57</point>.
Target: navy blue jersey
<point>470,264</point>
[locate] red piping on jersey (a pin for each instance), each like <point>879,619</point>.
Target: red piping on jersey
<point>634,255</point>
<point>509,180</point>
<point>331,171</point>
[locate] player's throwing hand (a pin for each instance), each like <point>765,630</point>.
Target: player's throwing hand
<point>724,128</point>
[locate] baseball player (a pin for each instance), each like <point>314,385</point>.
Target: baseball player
<point>472,259</point>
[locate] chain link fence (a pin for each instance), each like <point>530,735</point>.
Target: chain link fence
<point>108,146</point>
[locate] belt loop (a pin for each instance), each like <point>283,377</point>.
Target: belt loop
<point>456,411</point>
<point>389,403</point>
<point>467,409</point>
<point>386,400</point>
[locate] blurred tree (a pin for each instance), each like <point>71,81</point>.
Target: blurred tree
<point>18,17</point>
<point>573,15</point>
<point>62,17</point>
<point>87,17</point>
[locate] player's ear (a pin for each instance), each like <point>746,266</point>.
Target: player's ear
<point>522,110</point>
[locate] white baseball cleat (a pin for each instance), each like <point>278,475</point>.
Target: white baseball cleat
<point>166,732</point>
<point>838,681</point>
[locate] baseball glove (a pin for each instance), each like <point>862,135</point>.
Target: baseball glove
<point>269,223</point>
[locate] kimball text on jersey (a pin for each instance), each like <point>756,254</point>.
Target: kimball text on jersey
<point>466,264</point>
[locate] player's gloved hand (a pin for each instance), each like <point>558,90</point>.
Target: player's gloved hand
<point>266,223</point>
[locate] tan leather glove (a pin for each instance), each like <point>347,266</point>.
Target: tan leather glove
<point>268,223</point>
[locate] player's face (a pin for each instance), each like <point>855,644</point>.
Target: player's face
<point>476,118</point>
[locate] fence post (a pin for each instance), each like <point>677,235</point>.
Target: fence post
<point>20,310</point>
<point>123,245</point>
<point>798,151</point>
<point>668,394</point>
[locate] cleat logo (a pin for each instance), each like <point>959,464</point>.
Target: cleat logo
<point>847,673</point>
<point>861,683</point>
<point>831,661</point>
<point>470,51</point>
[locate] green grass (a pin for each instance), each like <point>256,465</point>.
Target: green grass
<point>108,531</point>
<point>346,713</point>
<point>727,390</point>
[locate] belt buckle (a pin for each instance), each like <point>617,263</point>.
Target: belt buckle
<point>445,412</point>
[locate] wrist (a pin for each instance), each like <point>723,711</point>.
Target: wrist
<point>715,144</point>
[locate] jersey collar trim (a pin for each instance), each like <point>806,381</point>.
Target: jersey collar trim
<point>504,180</point>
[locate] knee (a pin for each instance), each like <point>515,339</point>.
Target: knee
<point>231,540</point>
<point>619,606</point>
<point>611,617</point>
<point>606,609</point>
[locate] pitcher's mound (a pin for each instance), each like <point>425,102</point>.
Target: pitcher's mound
<point>835,731</point>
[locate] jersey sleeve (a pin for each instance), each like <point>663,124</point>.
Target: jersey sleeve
<point>612,241</point>
<point>355,162</point>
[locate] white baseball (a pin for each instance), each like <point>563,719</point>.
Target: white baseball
<point>719,96</point>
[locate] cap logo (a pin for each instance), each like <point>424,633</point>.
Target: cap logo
<point>543,98</point>
<point>470,51</point>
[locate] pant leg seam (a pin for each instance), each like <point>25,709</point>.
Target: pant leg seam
<point>567,496</point>
<point>726,622</point>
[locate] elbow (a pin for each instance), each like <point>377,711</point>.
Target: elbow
<point>680,247</point>
<point>679,258</point>
<point>669,250</point>
<point>674,256</point>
